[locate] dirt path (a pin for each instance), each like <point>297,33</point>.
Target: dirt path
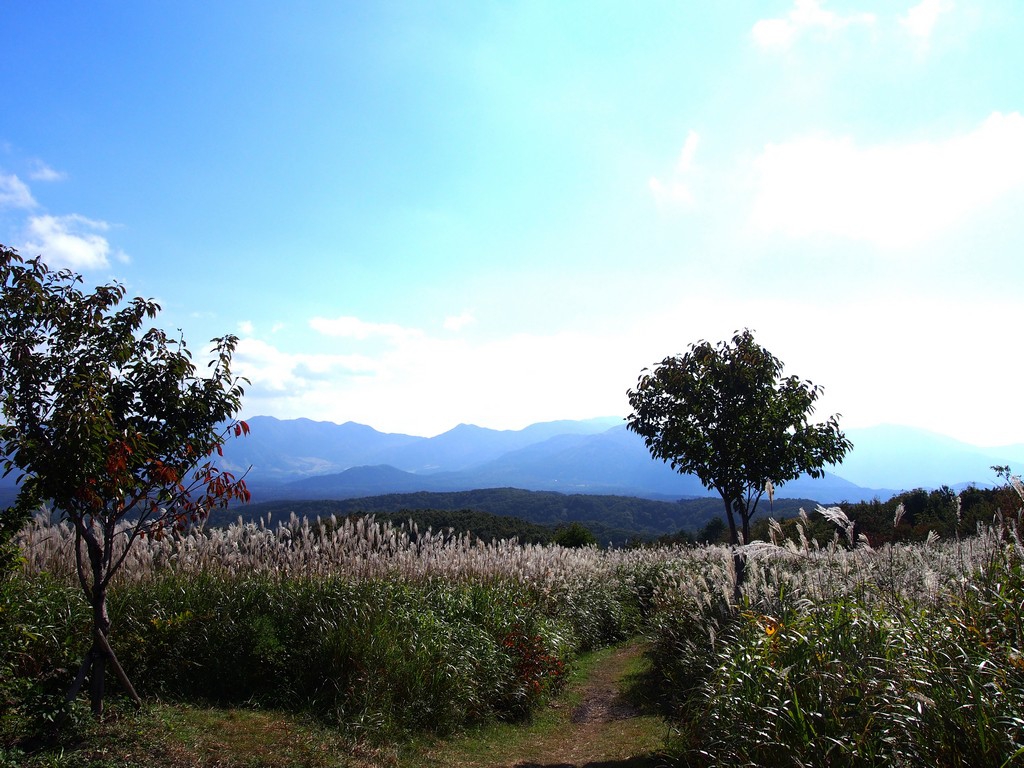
<point>601,721</point>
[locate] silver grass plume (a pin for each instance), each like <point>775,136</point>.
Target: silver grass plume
<point>900,511</point>
<point>1018,486</point>
<point>837,517</point>
<point>755,548</point>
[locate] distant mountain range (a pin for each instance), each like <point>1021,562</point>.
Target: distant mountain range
<point>300,459</point>
<point>304,459</point>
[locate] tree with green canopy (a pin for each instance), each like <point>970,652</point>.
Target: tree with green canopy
<point>574,536</point>
<point>110,423</point>
<point>725,413</point>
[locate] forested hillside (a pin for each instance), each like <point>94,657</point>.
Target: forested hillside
<point>612,519</point>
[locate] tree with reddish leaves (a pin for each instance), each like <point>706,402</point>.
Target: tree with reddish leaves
<point>108,421</point>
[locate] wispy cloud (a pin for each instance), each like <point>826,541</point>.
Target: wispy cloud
<point>14,193</point>
<point>804,16</point>
<point>277,374</point>
<point>42,172</point>
<point>921,19</point>
<point>458,322</point>
<point>893,194</point>
<point>70,241</point>
<point>675,189</point>
<point>348,327</point>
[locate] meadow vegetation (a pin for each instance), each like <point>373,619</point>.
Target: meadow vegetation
<point>845,654</point>
<point>839,651</point>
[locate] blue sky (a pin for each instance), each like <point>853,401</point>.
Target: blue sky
<point>421,214</point>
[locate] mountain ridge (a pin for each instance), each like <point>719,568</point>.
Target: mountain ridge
<point>306,459</point>
<point>302,458</point>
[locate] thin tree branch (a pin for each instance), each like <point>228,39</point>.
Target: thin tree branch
<point>101,640</point>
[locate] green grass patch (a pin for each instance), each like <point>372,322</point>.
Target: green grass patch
<point>556,734</point>
<point>177,735</point>
<point>481,742</point>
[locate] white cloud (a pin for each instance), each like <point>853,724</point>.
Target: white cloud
<point>688,151</point>
<point>245,327</point>
<point>877,358</point>
<point>921,19</point>
<point>70,241</point>
<point>774,33</point>
<point>287,376</point>
<point>669,192</point>
<point>675,190</point>
<point>14,193</point>
<point>893,194</point>
<point>42,172</point>
<point>899,360</point>
<point>805,15</point>
<point>458,322</point>
<point>882,357</point>
<point>426,385</point>
<point>354,328</point>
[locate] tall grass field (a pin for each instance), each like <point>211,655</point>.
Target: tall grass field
<point>837,653</point>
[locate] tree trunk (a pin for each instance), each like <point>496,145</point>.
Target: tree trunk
<point>115,665</point>
<point>739,562</point>
<point>100,654</point>
<point>96,658</point>
<point>733,537</point>
<point>100,629</point>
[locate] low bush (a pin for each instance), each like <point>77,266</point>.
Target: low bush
<point>43,629</point>
<point>382,656</point>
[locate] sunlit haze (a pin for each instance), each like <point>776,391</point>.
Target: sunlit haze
<point>416,215</point>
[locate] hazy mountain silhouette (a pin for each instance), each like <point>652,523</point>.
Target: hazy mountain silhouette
<point>904,458</point>
<point>306,459</point>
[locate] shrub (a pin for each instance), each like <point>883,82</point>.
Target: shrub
<point>382,656</point>
<point>42,623</point>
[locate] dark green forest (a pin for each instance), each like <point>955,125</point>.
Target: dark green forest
<point>530,516</point>
<point>536,517</point>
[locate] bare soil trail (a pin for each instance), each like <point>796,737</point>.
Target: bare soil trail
<point>606,719</point>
